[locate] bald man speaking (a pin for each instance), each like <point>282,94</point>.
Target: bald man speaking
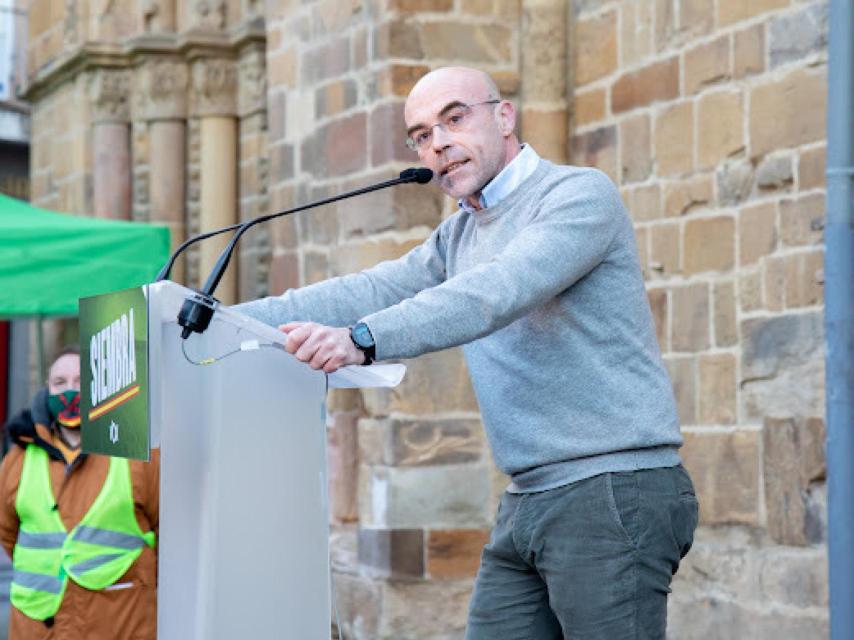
<point>537,277</point>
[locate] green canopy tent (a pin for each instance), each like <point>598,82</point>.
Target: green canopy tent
<point>48,260</point>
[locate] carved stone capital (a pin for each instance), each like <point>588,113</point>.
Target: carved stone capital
<point>157,16</point>
<point>208,15</point>
<point>252,82</point>
<point>214,87</point>
<point>162,87</point>
<point>109,91</point>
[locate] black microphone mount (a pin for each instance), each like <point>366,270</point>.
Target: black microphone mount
<point>197,310</point>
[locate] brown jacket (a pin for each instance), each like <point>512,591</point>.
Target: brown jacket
<point>128,609</point>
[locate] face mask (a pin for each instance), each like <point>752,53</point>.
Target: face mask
<point>65,408</point>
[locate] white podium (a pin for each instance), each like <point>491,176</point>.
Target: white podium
<point>243,548</point>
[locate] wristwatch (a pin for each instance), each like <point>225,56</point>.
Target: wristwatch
<point>361,336</point>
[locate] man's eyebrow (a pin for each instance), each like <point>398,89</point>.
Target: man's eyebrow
<point>445,109</point>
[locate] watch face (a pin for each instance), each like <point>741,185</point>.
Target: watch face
<point>362,335</point>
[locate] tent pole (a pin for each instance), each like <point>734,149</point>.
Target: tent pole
<point>40,348</point>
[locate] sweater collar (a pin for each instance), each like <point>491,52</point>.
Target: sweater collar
<point>510,177</point>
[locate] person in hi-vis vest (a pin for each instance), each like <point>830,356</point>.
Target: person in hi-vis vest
<point>81,529</point>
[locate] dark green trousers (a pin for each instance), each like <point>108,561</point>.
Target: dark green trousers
<point>592,560</point>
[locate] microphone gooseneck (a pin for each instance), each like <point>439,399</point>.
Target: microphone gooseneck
<point>197,310</point>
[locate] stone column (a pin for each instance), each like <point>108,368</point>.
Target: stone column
<point>545,117</point>
<point>214,95</point>
<point>255,251</point>
<point>111,144</point>
<point>163,85</point>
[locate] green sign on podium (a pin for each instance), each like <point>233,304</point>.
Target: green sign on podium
<point>114,374</point>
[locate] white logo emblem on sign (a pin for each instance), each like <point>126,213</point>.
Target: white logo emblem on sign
<point>114,432</point>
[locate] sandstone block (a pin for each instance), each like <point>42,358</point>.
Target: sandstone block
<point>690,329</point>
<point>358,600</point>
<point>644,202</point>
<point>401,443</point>
<point>397,39</point>
<point>442,608</point>
<point>335,97</point>
<point>388,135</point>
<point>351,258</point>
<point>775,172</point>
<point>709,244</point>
<point>750,291</point>
<point>749,51</point>
<point>446,496</point>
<point>797,35</point>
<point>337,148</point>
<point>635,155</point>
<point>284,273</point>
<point>664,250</point>
<point>734,181</point>
<point>674,139</point>
<point>398,209</point>
<point>659,307</point>
<point>597,148</point>
<point>325,61</point>
<point>657,81</point>
<point>434,383</point>
<point>811,168</point>
<point>636,25</point>
<point>795,577</point>
<point>547,132</point>
<point>596,42</point>
<point>481,44</point>
<point>805,279</point>
<point>793,458</point>
<point>802,220</point>
<point>782,368</point>
<point>717,401</point>
<point>398,80</point>
<point>696,16</point>
<point>710,617</point>
<point>730,11</point>
<point>757,232</point>
<point>683,196</point>
<point>723,314</point>
<point>342,465</point>
<point>720,133</point>
<point>588,106</point>
<point>418,6</point>
<point>315,267</point>
<point>683,375</point>
<point>725,471</point>
<point>395,553</point>
<point>788,112</point>
<point>706,64</point>
<point>455,553</point>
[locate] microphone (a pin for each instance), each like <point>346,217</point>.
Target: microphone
<point>197,310</point>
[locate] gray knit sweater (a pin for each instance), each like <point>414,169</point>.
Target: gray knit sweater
<point>545,294</point>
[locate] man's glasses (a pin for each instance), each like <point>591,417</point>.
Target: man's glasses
<point>454,119</point>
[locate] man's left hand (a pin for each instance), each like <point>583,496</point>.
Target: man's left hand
<point>321,347</point>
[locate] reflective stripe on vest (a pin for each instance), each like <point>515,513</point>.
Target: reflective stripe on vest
<point>38,578</point>
<point>108,539</point>
<point>96,553</point>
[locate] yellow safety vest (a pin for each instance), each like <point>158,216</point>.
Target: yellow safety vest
<point>97,552</point>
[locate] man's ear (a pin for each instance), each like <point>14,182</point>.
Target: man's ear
<point>506,117</point>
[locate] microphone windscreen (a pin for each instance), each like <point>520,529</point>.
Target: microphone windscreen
<point>421,175</point>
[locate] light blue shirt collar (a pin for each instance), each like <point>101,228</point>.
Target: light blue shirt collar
<point>511,176</point>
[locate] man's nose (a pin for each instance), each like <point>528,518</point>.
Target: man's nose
<point>440,138</point>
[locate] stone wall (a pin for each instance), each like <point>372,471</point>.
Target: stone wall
<point>709,115</point>
<point>711,118</point>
